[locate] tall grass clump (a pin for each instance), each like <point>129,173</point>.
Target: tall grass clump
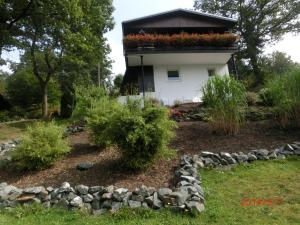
<point>226,100</point>
<point>285,94</point>
<point>41,145</point>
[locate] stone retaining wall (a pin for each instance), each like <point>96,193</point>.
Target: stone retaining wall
<point>187,194</point>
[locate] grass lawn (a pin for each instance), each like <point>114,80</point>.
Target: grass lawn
<point>224,192</point>
<point>13,130</point>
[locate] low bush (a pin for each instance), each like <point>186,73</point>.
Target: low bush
<point>266,97</point>
<point>252,98</point>
<point>140,133</point>
<point>226,100</point>
<point>284,91</point>
<point>41,145</point>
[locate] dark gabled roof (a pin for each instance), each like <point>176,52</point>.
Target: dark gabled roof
<point>181,12</point>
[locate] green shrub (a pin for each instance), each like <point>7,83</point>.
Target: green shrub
<point>226,102</point>
<point>266,97</point>
<point>252,98</point>
<point>87,99</point>
<point>41,145</point>
<point>141,134</point>
<point>285,94</point>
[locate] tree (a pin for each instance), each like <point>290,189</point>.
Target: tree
<point>64,32</point>
<point>12,11</point>
<point>277,63</point>
<point>260,22</point>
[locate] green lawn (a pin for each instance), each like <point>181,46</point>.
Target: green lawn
<point>224,192</point>
<point>13,130</point>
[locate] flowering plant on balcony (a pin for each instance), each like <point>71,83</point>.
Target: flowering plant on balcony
<point>179,40</point>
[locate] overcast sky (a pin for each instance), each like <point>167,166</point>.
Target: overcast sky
<point>130,9</point>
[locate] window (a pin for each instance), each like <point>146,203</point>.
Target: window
<point>211,72</point>
<point>173,75</point>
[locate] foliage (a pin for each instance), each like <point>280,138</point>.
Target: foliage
<point>41,145</point>
<point>60,34</point>
<point>141,134</point>
<point>177,40</point>
<point>285,96</point>
<point>252,98</point>
<point>224,192</point>
<point>266,97</point>
<point>226,100</point>
<point>88,100</point>
<point>260,22</point>
<point>276,64</point>
<point>23,89</point>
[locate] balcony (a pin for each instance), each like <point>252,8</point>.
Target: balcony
<point>183,42</point>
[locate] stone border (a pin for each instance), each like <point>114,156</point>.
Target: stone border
<point>187,195</point>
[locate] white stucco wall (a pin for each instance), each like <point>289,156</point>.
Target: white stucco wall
<point>188,88</point>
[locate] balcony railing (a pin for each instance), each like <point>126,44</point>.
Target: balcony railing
<point>134,41</point>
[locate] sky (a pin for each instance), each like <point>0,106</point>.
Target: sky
<point>130,9</point>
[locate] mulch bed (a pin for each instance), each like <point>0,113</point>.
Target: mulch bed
<point>192,137</point>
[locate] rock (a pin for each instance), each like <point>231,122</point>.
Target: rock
<point>251,157</point>
<point>185,160</point>
<point>194,207</point>
<point>84,166</point>
<point>70,196</point>
<point>207,154</point>
<point>183,183</point>
<point>180,197</point>
<point>25,198</point>
<point>272,155</point>
<point>107,196</point>
<point>154,201</point>
<point>134,204</point>
<point>50,189</point>
<point>242,158</point>
<point>119,194</point>
<point>95,189</point>
<point>231,160</point>
<point>209,162</point>
<point>87,198</point>
<point>189,179</point>
<point>95,204</point>
<point>225,155</point>
<point>234,155</point>
<point>164,191</point>
<point>82,189</point>
<point>144,191</point>
<point>34,190</point>
<point>182,172</point>
<point>116,206</point>
<point>77,202</point>
<point>65,185</point>
<point>138,198</point>
<point>63,203</point>
<point>262,152</point>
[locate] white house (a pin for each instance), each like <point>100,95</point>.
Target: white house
<point>171,55</point>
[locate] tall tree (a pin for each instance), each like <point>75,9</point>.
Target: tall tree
<point>64,32</point>
<point>12,11</point>
<point>260,22</point>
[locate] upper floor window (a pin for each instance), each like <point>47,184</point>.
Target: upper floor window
<point>173,75</point>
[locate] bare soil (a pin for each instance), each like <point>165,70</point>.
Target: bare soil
<point>192,137</point>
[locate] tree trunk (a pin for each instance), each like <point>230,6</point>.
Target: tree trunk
<point>256,70</point>
<point>45,101</point>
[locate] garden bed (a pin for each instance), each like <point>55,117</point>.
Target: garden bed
<point>192,137</point>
